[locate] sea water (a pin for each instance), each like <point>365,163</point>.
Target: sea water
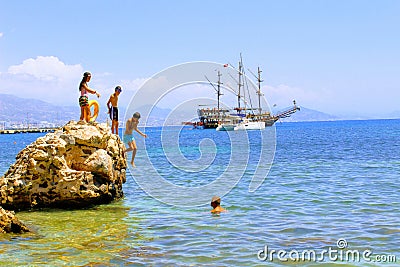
<point>333,186</point>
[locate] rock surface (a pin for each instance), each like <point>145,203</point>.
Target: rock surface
<point>76,166</point>
<point>10,224</point>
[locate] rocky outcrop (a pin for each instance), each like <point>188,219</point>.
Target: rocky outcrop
<point>78,165</point>
<point>10,224</point>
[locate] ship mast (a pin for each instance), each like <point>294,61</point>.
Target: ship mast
<point>259,90</point>
<point>239,86</point>
<point>259,81</point>
<point>219,90</point>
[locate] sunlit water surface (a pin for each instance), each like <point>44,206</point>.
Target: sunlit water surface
<point>329,180</point>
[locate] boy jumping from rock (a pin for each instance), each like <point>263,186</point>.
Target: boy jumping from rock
<point>132,124</point>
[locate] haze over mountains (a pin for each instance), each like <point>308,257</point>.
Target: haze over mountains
<point>21,110</point>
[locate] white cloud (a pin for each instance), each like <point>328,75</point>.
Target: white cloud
<point>1,34</point>
<point>48,68</point>
<point>45,77</point>
<point>133,85</point>
<point>51,80</point>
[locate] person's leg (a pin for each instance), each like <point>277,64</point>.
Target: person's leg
<point>87,113</point>
<point>133,157</point>
<point>115,129</point>
<point>130,147</point>
<point>134,149</point>
<point>85,118</point>
<point>116,120</point>
<point>113,126</point>
<point>82,113</point>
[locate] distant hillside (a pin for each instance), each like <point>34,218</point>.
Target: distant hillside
<point>22,110</point>
<point>306,114</point>
<point>19,110</point>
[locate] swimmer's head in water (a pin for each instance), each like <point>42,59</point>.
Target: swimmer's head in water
<point>215,201</point>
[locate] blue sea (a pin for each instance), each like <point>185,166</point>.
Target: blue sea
<point>333,189</point>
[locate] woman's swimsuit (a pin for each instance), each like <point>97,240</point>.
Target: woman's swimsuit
<point>83,99</point>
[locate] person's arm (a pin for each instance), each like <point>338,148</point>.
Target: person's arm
<point>108,104</point>
<point>142,134</point>
<point>92,91</point>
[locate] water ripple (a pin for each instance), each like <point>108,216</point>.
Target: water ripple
<point>329,180</point>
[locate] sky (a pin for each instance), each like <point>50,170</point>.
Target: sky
<point>335,56</point>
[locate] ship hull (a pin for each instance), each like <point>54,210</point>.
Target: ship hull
<point>250,125</point>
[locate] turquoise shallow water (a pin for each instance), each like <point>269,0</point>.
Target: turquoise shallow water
<point>328,181</point>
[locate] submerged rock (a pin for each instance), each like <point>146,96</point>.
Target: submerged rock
<point>78,165</point>
<point>10,224</point>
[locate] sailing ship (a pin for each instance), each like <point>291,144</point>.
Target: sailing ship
<point>245,118</point>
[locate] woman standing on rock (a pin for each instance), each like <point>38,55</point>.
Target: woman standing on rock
<point>84,98</point>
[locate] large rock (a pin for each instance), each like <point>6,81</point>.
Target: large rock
<point>10,224</point>
<point>78,165</point>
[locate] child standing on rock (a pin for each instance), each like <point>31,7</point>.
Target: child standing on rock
<point>113,109</point>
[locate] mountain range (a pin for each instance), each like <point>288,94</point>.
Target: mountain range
<point>21,111</point>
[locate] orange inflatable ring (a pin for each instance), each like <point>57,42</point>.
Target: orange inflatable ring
<point>95,104</point>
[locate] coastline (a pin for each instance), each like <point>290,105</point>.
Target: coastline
<point>28,130</point>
